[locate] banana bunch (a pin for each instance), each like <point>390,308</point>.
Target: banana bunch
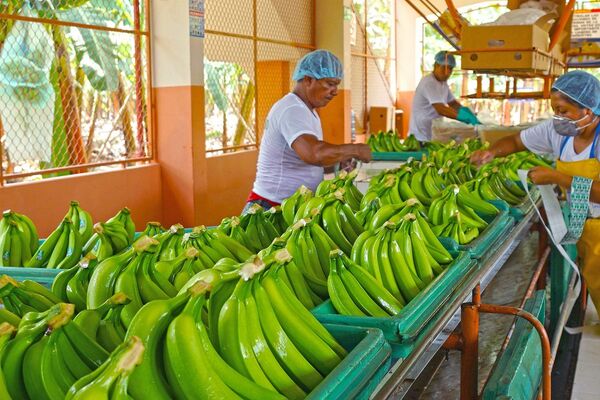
<point>309,244</point>
<point>454,228</point>
<point>81,219</point>
<point>214,245</point>
<point>119,229</point>
<point>134,274</point>
<point>404,258</point>
<point>494,185</point>
<point>62,249</point>
<point>275,216</point>
<point>27,296</point>
<point>259,229</point>
<point>193,367</point>
<point>365,215</point>
<point>48,355</point>
<point>510,164</point>
<point>103,324</point>
<point>18,239</point>
<point>71,285</point>
<point>353,291</point>
<point>290,206</point>
<point>335,216</point>
<point>153,229</point>
<point>265,333</point>
<point>455,151</point>
<point>171,243</point>
<point>449,203</point>
<point>459,171</point>
<point>427,182</point>
<point>395,213</point>
<point>7,331</point>
<point>182,268</point>
<point>389,141</point>
<point>387,190</point>
<point>344,180</point>
<point>111,379</point>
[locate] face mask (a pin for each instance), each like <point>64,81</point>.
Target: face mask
<point>568,127</point>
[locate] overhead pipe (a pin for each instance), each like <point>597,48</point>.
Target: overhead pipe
<point>455,14</point>
<point>561,24</point>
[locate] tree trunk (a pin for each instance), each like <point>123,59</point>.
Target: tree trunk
<point>119,104</point>
<point>80,78</point>
<point>93,116</point>
<point>68,98</point>
<point>245,111</point>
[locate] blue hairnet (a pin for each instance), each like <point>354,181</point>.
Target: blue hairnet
<point>581,87</point>
<point>319,64</point>
<point>443,58</point>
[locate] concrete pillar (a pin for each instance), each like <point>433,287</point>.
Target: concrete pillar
<point>179,111</point>
<point>332,25</point>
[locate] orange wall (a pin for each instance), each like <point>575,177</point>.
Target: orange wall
<point>404,102</point>
<point>335,118</point>
<point>100,193</point>
<point>230,179</point>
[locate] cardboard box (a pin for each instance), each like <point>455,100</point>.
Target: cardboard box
<point>493,134</point>
<point>503,47</point>
<point>381,119</point>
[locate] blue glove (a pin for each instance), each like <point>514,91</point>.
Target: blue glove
<point>466,115</point>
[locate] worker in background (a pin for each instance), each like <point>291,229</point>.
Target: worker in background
<point>572,137</point>
<point>433,99</point>
<point>292,151</point>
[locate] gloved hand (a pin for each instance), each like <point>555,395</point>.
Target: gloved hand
<point>466,115</point>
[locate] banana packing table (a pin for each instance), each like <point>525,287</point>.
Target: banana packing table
<point>405,371</point>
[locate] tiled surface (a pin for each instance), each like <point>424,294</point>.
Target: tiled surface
<point>587,384</point>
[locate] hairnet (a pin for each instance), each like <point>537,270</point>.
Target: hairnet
<point>443,58</point>
<point>581,87</point>
<point>319,64</point>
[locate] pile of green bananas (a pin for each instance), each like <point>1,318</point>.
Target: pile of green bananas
<point>18,239</point>
<point>396,212</point>
<point>111,379</point>
<point>118,231</point>
<point>459,172</point>
<point>390,188</point>
<point>49,353</point>
<point>153,229</point>
<point>389,141</point>
<point>344,180</point>
<point>290,206</point>
<point>453,151</point>
<point>71,285</point>
<point>457,230</point>
<point>403,257</point>
<point>26,296</point>
<point>427,182</point>
<point>353,291</point>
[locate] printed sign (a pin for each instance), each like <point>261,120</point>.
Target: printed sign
<point>196,18</point>
<point>586,25</point>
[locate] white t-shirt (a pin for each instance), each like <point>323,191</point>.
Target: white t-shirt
<point>429,91</point>
<point>543,139</point>
<point>280,171</point>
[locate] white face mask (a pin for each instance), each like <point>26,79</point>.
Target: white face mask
<point>568,127</point>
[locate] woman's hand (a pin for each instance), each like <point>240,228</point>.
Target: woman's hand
<point>544,176</point>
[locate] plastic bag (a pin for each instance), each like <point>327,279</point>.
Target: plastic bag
<point>522,16</point>
<point>445,130</point>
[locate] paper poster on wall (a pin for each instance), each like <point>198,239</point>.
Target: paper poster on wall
<point>586,25</point>
<point>196,18</point>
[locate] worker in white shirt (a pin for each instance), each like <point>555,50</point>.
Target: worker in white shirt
<point>292,151</point>
<point>433,99</point>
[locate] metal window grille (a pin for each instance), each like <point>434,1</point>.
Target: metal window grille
<point>74,87</point>
<point>251,49</point>
<point>373,62</point>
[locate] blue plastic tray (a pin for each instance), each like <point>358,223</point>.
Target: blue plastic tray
<point>398,155</point>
